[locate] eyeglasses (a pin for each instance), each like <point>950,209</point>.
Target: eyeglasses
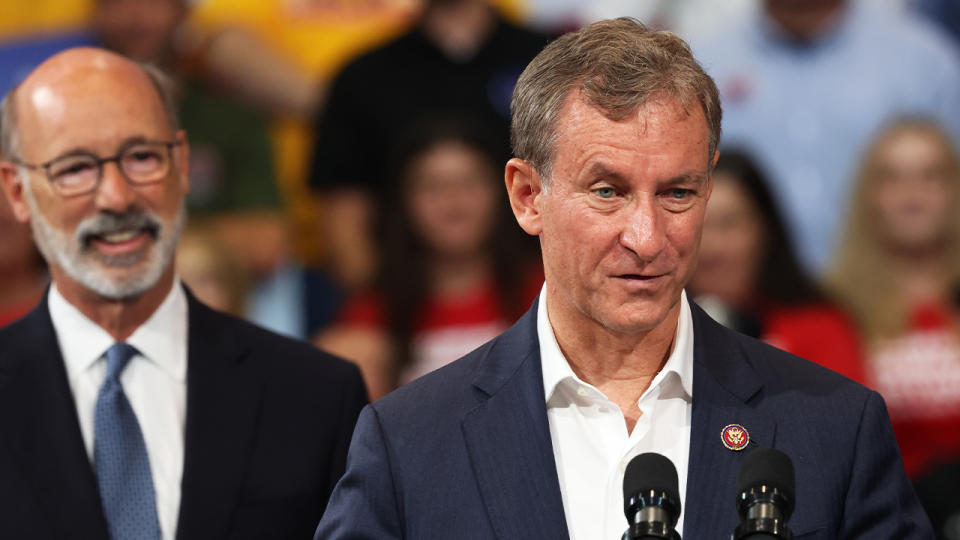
<point>79,173</point>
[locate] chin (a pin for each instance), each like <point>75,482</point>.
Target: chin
<point>635,320</point>
<point>119,283</point>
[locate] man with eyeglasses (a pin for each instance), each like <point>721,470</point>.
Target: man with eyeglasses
<point>127,408</point>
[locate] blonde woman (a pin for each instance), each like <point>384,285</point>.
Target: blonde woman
<point>897,271</point>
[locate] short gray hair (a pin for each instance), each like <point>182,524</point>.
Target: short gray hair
<point>617,65</point>
<point>8,127</point>
<point>10,140</point>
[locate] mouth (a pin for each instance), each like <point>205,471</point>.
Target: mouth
<point>122,241</point>
<point>641,282</point>
<point>641,277</point>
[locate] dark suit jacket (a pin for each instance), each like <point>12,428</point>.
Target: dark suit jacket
<point>465,452</point>
<point>268,423</point>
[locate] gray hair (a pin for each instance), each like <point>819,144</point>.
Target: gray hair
<point>9,138</point>
<point>617,65</point>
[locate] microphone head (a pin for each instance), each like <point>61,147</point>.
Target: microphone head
<point>650,472</point>
<point>770,468</point>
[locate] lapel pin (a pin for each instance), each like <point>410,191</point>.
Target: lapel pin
<point>735,437</point>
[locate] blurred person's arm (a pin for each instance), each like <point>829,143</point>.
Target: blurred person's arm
<point>359,335</point>
<point>346,219</point>
<point>368,348</point>
<point>256,74</point>
<point>258,238</point>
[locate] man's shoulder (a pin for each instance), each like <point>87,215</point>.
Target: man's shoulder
<point>448,390</point>
<point>281,354</point>
<point>806,399</point>
<point>481,372</point>
<point>20,328</point>
<point>35,328</point>
<point>778,365</point>
<point>784,374</point>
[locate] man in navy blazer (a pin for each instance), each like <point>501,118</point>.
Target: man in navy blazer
<point>615,130</point>
<point>218,429</point>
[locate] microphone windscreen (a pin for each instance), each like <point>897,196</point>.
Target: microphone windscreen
<point>651,471</point>
<point>767,467</point>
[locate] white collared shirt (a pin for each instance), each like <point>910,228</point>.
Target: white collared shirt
<point>155,383</point>
<point>590,441</point>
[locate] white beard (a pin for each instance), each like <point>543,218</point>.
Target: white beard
<point>86,266</point>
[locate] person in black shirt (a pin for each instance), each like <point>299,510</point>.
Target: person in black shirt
<point>461,59</point>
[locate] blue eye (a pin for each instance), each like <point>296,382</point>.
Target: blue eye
<point>679,193</point>
<point>605,193</point>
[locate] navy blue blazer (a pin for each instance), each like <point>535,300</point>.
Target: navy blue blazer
<point>268,423</point>
<point>465,452</point>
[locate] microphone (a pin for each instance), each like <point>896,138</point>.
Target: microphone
<point>651,500</point>
<point>765,496</point>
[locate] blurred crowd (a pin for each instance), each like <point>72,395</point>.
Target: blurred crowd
<point>346,178</point>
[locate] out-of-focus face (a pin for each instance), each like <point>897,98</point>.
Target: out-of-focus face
<point>140,29</point>
<point>452,192</point>
<point>914,192</point>
<point>804,19</point>
<point>620,222</point>
<point>732,246</point>
<point>117,241</point>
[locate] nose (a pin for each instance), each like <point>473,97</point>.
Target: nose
<point>114,192</point>
<point>643,230</point>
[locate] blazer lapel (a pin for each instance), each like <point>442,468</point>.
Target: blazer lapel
<point>42,433</point>
<point>723,387</point>
<point>223,402</point>
<point>508,439</point>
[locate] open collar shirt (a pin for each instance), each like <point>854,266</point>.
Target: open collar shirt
<point>155,383</point>
<point>591,444</point>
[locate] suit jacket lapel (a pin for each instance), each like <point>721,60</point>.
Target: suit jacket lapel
<point>723,387</point>
<point>42,433</point>
<point>223,402</point>
<point>508,439</point>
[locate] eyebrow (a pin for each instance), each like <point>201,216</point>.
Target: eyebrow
<point>691,177</point>
<point>84,151</point>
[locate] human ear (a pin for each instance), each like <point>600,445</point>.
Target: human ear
<point>524,187</point>
<point>12,183</point>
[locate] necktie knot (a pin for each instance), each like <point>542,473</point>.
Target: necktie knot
<point>118,356</point>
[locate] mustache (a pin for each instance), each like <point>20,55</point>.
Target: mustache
<point>106,223</point>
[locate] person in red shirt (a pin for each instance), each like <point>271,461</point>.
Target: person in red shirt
<point>898,271</point>
<point>749,278</point>
<point>455,268</point>
<point>23,274</point>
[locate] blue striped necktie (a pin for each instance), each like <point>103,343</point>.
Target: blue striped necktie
<point>120,455</point>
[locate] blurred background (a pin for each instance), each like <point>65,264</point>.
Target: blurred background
<point>347,159</point>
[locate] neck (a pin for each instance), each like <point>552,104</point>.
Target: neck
<point>923,274</point>
<point>454,276</point>
<point>458,27</point>
<point>621,365</point>
<point>119,318</point>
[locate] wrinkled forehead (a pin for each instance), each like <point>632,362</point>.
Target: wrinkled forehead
<point>662,122</point>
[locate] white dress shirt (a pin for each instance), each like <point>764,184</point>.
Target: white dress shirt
<point>590,441</point>
<point>154,382</point>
